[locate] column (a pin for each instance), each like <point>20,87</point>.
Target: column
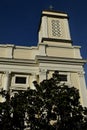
<point>82,89</point>
<point>33,78</point>
<point>6,81</point>
<point>42,74</point>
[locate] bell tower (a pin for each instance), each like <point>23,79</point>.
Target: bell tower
<point>54,27</point>
<point>56,52</point>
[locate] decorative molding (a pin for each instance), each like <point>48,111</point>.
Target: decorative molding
<point>56,40</point>
<point>59,60</point>
<point>54,14</point>
<point>54,11</point>
<point>81,74</point>
<point>43,71</point>
<point>7,73</point>
<point>20,62</point>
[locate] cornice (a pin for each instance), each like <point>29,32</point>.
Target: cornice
<point>54,11</point>
<point>43,59</point>
<point>54,14</point>
<point>21,62</point>
<point>56,40</point>
<point>60,60</point>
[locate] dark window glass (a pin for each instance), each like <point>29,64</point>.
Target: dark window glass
<point>20,80</point>
<point>62,77</point>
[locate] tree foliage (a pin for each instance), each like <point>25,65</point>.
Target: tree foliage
<point>51,105</point>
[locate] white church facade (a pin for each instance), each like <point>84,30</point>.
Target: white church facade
<point>21,65</point>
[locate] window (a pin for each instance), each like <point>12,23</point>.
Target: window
<point>62,77</point>
<point>20,80</point>
<point>56,29</point>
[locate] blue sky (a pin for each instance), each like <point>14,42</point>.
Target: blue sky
<point>19,21</point>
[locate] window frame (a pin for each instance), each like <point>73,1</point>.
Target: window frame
<point>68,77</point>
<point>50,72</point>
<point>20,85</point>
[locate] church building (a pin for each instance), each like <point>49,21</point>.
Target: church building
<point>21,65</point>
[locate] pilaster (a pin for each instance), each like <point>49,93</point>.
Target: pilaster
<point>6,81</point>
<point>82,88</point>
<point>42,74</point>
<point>42,50</point>
<point>9,50</point>
<point>33,78</point>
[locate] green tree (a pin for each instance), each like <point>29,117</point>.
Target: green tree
<point>5,112</point>
<point>51,105</point>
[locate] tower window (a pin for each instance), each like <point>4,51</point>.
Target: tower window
<point>56,30</point>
